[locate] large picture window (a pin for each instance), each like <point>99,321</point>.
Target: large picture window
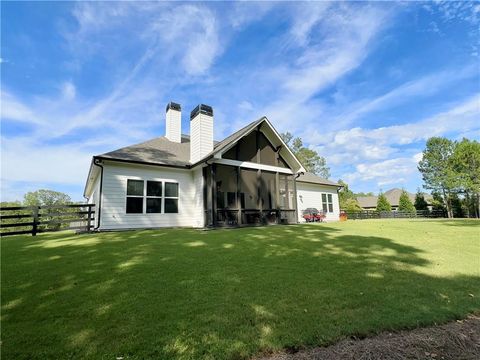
<point>327,203</point>
<point>154,196</point>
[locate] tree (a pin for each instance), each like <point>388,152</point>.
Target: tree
<point>465,162</point>
<point>50,198</point>
<point>382,203</point>
<point>309,158</point>
<point>46,198</point>
<point>405,204</point>
<point>364,194</point>
<point>436,168</point>
<point>351,205</point>
<point>420,202</point>
<point>347,198</point>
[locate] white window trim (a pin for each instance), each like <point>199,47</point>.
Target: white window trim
<point>171,197</point>
<point>145,186</point>
<point>329,202</point>
<point>145,196</point>
<point>135,196</point>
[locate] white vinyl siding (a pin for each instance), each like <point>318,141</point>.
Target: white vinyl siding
<point>114,216</point>
<point>94,198</point>
<point>310,196</point>
<point>199,212</point>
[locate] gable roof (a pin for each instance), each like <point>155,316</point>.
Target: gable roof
<point>311,178</point>
<point>393,197</point>
<point>161,151</point>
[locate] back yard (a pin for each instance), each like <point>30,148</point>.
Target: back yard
<point>232,293</point>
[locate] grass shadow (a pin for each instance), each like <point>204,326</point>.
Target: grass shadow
<point>223,294</point>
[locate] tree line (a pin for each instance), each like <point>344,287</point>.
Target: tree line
<point>40,197</point>
<point>450,169</point>
<point>348,200</point>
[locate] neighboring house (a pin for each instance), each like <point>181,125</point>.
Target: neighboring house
<point>250,177</point>
<point>393,197</point>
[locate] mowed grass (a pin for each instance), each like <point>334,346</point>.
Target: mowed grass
<point>229,294</point>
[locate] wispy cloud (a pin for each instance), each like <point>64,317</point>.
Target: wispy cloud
<point>379,154</point>
<point>311,67</point>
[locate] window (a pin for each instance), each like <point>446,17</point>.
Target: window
<point>171,198</point>
<point>330,203</point>
<point>154,197</point>
<point>134,196</point>
<point>151,198</point>
<point>327,203</point>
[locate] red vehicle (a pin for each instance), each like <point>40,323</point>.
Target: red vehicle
<point>313,215</point>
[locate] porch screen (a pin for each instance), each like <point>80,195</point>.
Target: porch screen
<point>268,190</point>
<point>286,192</point>
<point>248,189</point>
<point>226,178</point>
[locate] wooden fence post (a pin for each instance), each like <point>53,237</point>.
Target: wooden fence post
<point>89,218</point>
<point>35,221</point>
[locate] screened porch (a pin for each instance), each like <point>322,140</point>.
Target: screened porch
<point>237,196</point>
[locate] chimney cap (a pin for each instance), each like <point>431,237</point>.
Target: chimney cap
<point>201,109</point>
<point>173,106</point>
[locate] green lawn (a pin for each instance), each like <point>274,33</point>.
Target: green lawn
<point>231,293</point>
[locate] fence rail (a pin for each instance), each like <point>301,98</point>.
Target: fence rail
<point>373,214</point>
<point>17,220</point>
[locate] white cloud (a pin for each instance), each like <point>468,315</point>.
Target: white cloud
<point>27,160</point>
<point>415,89</point>
<point>187,32</point>
<point>340,44</point>
<point>388,172</point>
<point>306,19</point>
<point>13,109</point>
<point>380,153</point>
<point>360,143</point>
<point>68,91</point>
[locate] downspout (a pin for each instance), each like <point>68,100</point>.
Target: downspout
<point>97,162</point>
<point>295,194</point>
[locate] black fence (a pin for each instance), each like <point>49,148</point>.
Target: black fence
<point>373,214</point>
<point>16,220</point>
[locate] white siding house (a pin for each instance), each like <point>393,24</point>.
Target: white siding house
<point>251,177</point>
<point>114,197</point>
<point>320,197</point>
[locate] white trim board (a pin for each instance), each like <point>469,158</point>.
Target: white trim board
<point>250,165</point>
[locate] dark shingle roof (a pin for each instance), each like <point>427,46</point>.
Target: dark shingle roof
<point>161,151</point>
<point>315,179</point>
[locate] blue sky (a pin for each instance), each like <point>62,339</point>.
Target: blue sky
<point>365,84</point>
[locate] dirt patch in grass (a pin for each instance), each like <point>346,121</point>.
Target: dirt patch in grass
<point>456,340</point>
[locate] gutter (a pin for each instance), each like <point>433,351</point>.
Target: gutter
<point>97,162</point>
<point>296,194</point>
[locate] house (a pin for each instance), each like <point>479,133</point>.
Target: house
<point>393,197</point>
<point>176,180</point>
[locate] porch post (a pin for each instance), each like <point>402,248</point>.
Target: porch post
<point>214,194</point>
<point>277,195</point>
<point>295,201</point>
<point>259,194</point>
<point>239,202</point>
